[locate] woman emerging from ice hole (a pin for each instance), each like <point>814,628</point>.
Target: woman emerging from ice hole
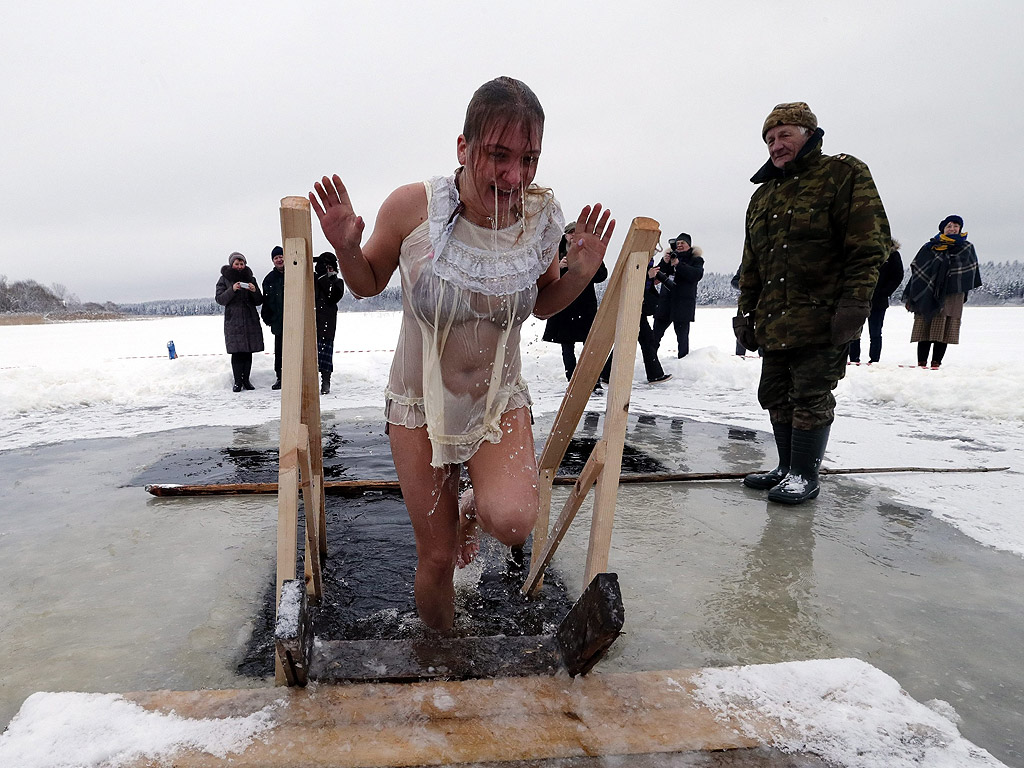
<point>476,253</point>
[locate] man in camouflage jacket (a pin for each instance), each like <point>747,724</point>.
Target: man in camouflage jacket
<point>816,234</point>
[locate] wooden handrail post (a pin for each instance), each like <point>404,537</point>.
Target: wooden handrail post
<point>301,449</point>
<point>618,322</point>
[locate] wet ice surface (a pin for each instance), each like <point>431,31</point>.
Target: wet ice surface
<point>121,591</point>
<point>712,574</point>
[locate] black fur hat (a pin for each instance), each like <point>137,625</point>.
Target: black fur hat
<point>953,218</point>
<point>682,236</point>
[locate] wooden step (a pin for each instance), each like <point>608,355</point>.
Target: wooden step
<point>583,637</point>
<point>493,721</point>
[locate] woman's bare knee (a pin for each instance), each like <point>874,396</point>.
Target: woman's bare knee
<point>508,520</point>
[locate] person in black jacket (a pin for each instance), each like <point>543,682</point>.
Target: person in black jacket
<point>273,307</point>
<point>677,300</point>
<point>329,288</point>
<point>890,276</point>
<point>573,323</point>
<point>648,350</point>
<point>238,293</point>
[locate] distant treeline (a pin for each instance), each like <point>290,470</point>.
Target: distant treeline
<point>388,299</point>
<point>30,297</point>
<point>1004,284</point>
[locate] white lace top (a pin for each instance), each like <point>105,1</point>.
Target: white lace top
<point>466,290</point>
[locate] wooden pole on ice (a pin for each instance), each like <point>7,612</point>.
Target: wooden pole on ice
<point>358,487</point>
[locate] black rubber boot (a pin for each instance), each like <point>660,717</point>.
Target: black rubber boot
<point>801,483</point>
<point>762,481</point>
<point>276,384</point>
<point>325,386</point>
<point>246,384</point>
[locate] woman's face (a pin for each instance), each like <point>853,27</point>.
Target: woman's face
<point>499,168</point>
<point>238,264</point>
<point>951,229</point>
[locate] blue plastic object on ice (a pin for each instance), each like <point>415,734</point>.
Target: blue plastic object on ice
<point>170,350</point>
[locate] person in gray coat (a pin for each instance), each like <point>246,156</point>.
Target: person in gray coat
<point>239,294</point>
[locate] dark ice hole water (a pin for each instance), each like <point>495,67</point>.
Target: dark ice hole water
<point>106,588</point>
<point>368,574</point>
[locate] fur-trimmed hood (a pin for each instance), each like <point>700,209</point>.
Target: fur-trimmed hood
<point>233,276</point>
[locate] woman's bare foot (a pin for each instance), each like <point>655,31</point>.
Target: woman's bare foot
<point>469,531</point>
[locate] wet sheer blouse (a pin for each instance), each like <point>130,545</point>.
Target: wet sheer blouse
<point>466,291</point>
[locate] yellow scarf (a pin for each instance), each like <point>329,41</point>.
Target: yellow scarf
<point>943,241</point>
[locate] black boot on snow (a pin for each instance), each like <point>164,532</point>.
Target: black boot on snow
<point>325,386</point>
<point>276,384</point>
<point>247,385</point>
<point>762,481</point>
<point>801,483</point>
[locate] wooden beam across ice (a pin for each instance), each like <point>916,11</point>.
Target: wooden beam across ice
<point>504,721</point>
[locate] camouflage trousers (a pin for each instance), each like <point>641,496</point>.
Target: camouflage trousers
<point>796,384</point>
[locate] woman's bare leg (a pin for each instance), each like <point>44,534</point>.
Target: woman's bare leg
<point>431,497</point>
<point>469,531</point>
<point>504,477</point>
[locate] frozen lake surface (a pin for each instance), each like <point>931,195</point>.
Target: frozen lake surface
<point>115,590</point>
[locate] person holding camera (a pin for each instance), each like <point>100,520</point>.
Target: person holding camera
<point>239,294</point>
<point>677,300</point>
<point>329,288</point>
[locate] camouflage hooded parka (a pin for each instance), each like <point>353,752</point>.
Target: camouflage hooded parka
<point>816,232</point>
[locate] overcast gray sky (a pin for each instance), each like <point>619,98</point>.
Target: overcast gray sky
<point>143,142</point>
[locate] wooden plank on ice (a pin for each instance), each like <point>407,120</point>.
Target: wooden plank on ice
<point>471,721</point>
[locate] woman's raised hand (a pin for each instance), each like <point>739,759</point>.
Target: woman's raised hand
<point>587,245</point>
<point>342,228</point>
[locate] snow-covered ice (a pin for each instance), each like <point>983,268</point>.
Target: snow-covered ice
<point>100,379</point>
<point>114,378</point>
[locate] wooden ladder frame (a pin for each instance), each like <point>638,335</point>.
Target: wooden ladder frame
<point>300,458</point>
<point>619,312</point>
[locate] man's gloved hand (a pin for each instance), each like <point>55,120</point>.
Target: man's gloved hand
<point>849,319</point>
<point>743,328</point>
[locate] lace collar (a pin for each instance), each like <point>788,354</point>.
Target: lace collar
<point>518,255</point>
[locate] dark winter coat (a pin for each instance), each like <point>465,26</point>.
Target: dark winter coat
<point>273,301</point>
<point>677,299</point>
<point>816,232</point>
<point>936,273</point>
<point>573,323</point>
<point>242,329</point>
<point>890,276</point>
<point>650,301</point>
<point>328,289</point>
